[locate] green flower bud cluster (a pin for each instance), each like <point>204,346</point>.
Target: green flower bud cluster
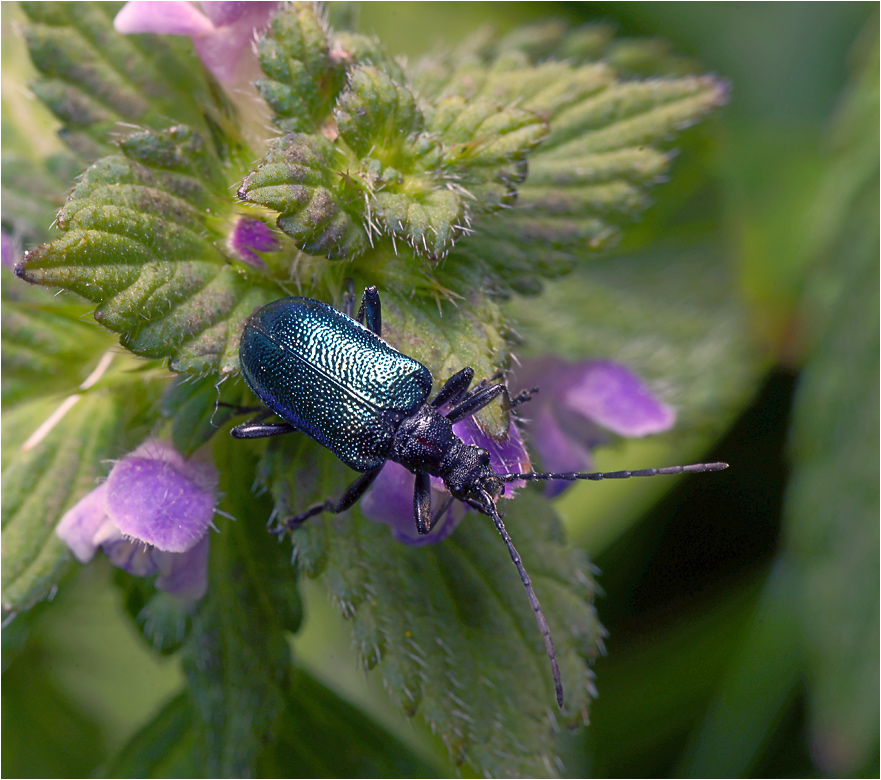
<point>364,161</point>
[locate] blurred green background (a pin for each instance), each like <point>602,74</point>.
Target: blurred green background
<point>742,608</point>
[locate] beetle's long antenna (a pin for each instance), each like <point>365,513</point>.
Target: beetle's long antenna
<point>490,509</point>
<point>693,468</point>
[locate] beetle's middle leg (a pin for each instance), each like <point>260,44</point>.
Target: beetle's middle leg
<point>357,489</point>
<point>255,428</point>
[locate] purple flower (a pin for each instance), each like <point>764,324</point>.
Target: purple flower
<point>151,517</point>
<point>249,236</point>
<point>579,404</point>
<point>390,499</point>
<point>222,31</point>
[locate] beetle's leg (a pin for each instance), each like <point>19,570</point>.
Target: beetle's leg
<point>357,489</point>
<point>422,502</point>
<point>255,428</point>
<point>481,395</point>
<point>454,388</point>
<point>439,512</point>
<point>370,313</point>
<point>475,402</point>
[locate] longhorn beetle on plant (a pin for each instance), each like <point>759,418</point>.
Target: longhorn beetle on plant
<point>335,379</point>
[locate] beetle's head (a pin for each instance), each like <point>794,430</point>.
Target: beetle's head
<point>472,473</point>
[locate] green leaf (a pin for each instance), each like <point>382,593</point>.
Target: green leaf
<point>38,710</point>
<point>303,180</point>
<point>165,747</point>
<point>44,346</point>
<point>375,173</point>
<point>138,241</point>
<point>93,78</point>
<point>45,476</point>
<point>304,76</point>
<point>236,659</point>
<point>832,502</point>
<point>322,735</point>
<point>449,626</point>
<point>375,114</point>
<point>592,170</point>
<point>194,407</point>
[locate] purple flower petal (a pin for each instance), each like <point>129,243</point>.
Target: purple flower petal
<point>618,400</point>
<point>82,524</point>
<point>136,558</point>
<point>150,517</point>
<point>220,35</point>
<point>558,451</point>
<point>249,236</point>
<point>252,14</point>
<point>235,25</point>
<point>185,575</point>
<point>171,18</point>
<point>154,495</point>
<point>390,501</point>
<point>579,404</point>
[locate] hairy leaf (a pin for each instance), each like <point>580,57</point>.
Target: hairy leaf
<point>592,170</point>
<point>138,241</point>
<point>237,658</point>
<point>92,78</point>
<point>449,626</point>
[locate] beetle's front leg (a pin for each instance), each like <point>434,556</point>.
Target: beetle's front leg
<point>370,312</point>
<point>454,388</point>
<point>357,489</point>
<point>422,502</point>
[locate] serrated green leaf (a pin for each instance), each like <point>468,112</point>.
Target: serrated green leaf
<point>94,78</point>
<point>376,115</point>
<point>304,76</point>
<point>237,658</point>
<point>451,631</point>
<point>593,168</point>
<point>303,179</point>
<point>141,240</point>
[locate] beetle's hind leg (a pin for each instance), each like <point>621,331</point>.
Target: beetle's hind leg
<point>357,489</point>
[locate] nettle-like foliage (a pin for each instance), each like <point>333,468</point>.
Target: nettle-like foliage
<point>451,186</point>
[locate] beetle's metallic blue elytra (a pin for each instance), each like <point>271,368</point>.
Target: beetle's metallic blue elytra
<point>332,378</point>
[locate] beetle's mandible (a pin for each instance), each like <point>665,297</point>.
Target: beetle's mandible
<point>332,376</point>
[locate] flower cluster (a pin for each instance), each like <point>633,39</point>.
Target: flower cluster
<point>150,517</point>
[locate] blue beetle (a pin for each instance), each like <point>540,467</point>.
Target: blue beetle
<point>335,379</point>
